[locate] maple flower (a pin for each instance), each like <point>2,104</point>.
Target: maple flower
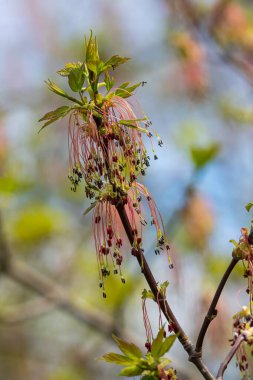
<point>107,153</point>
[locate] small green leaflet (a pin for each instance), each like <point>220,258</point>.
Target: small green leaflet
<point>234,242</point>
<point>161,345</point>
<point>129,349</point>
<point>91,207</point>
<point>249,206</point>
<point>57,90</point>
<point>111,357</point>
<point>52,116</point>
<point>124,92</point>
<point>109,82</point>
<point>203,155</point>
<point>130,124</point>
<point>147,294</point>
<point>69,67</point>
<point>76,80</point>
<point>131,371</point>
<point>114,62</point>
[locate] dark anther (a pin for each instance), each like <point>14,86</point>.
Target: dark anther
<point>123,280</point>
<point>139,198</point>
<point>143,172</point>
<point>161,240</point>
<point>155,157</point>
<point>115,271</point>
<point>104,295</point>
<point>100,284</point>
<point>148,198</point>
<point>171,266</point>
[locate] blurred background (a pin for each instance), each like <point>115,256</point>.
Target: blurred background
<point>197,59</point>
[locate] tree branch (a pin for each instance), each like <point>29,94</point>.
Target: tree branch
<point>184,340</point>
<point>212,312</point>
<point>228,358</point>
<point>40,284</point>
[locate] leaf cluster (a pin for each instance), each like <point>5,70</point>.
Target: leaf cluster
<point>151,366</point>
<point>84,79</point>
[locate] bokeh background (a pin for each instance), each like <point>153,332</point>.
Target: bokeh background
<point>197,60</point>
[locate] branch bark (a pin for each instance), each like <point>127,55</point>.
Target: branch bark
<point>228,358</point>
<point>212,312</point>
<point>169,315</point>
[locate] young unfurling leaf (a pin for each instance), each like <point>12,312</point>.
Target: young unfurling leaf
<point>129,349</point>
<point>114,62</point>
<point>52,116</point>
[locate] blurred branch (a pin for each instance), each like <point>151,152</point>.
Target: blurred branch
<point>212,312</point>
<point>54,294</point>
<point>188,10</point>
<point>217,13</point>
<point>27,311</point>
<point>230,355</point>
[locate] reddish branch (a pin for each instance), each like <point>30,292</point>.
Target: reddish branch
<point>187,345</point>
<point>230,355</point>
<point>212,312</point>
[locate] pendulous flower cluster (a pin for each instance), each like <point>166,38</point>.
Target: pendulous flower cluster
<point>107,152</point>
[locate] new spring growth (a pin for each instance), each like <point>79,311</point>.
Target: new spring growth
<point>107,153</point>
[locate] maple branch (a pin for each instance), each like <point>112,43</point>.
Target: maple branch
<point>230,355</point>
<point>212,312</point>
<point>168,313</point>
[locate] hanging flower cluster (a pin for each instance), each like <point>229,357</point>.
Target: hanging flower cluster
<point>107,151</point>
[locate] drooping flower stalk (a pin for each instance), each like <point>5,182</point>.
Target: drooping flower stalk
<point>107,152</point>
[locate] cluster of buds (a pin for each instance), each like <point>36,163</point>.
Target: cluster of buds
<point>244,250</point>
<point>107,152</point>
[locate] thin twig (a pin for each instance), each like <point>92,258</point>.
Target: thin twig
<point>55,294</point>
<point>28,310</point>
<point>37,282</point>
<point>212,312</point>
<point>184,340</point>
<point>230,355</point>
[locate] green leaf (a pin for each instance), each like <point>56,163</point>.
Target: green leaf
<point>147,294</point>
<point>163,286</point>
<point>76,79</point>
<point>92,56</point>
<point>57,90</point>
<point>114,62</point>
<point>52,116</point>
<point>167,344</point>
<point>233,242</point>
<point>91,207</point>
<point>124,92</point>
<point>202,156</point>
<point>129,349</point>
<point>109,82</point>
<point>111,357</point>
<point>131,371</point>
<point>149,377</point>
<point>58,112</point>
<point>130,124</point>
<point>157,343</point>
<point>69,67</point>
<point>249,206</point>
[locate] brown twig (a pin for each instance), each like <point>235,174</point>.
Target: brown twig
<point>212,312</point>
<point>186,343</point>
<point>228,358</point>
